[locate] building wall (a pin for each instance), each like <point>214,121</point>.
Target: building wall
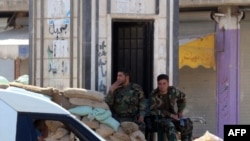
<point>54,43</point>
<point>131,10</point>
<point>14,5</point>
<point>199,84</point>
<point>200,87</point>
<point>23,5</point>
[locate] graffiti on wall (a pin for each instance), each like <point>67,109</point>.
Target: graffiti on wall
<point>57,50</point>
<point>102,65</point>
<point>58,14</point>
<point>59,18</point>
<point>58,31</point>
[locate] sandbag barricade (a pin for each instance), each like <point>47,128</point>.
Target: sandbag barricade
<point>90,108</point>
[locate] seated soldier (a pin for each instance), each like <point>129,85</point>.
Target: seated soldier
<point>161,105</point>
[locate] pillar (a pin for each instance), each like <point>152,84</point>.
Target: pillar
<point>227,53</point>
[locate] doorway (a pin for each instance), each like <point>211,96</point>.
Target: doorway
<point>132,48</point>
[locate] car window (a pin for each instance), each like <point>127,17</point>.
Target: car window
<point>51,127</point>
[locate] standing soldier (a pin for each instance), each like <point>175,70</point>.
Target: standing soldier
<point>126,100</point>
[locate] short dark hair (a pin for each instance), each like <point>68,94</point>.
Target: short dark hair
<point>162,76</point>
<point>125,71</point>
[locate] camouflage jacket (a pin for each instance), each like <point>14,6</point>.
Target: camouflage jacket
<point>128,101</point>
<point>164,105</point>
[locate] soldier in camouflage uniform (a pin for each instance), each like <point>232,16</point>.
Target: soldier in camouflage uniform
<point>162,102</point>
<point>125,99</point>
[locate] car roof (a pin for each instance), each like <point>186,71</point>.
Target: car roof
<point>22,100</point>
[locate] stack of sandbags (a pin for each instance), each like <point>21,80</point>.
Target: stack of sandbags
<point>209,137</point>
<point>92,110</point>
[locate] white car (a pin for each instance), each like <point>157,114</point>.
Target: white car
<point>19,109</point>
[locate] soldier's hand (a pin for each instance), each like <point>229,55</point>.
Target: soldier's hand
<point>180,114</point>
<point>114,86</point>
<point>173,116</point>
<point>140,119</point>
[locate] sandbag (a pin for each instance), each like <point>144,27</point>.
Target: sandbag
<point>47,91</point>
<point>111,122</point>
<point>208,137</point>
<point>83,93</point>
<point>99,114</point>
<point>60,132</point>
<point>81,110</point>
<point>104,115</point>
<point>16,84</point>
<point>93,124</point>
<point>89,102</point>
<point>65,138</point>
<point>63,101</point>
<point>119,137</point>
<point>104,131</point>
<point>4,80</point>
<point>120,130</point>
<point>50,139</point>
<point>137,136</point>
<point>129,127</point>
<point>53,125</point>
<point>24,79</point>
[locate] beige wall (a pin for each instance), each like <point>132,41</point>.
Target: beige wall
<point>199,84</point>
<point>200,87</point>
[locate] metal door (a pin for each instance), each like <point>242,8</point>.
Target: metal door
<point>132,47</point>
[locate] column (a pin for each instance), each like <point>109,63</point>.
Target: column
<point>227,53</point>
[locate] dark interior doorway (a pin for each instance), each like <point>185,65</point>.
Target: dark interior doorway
<point>132,47</point>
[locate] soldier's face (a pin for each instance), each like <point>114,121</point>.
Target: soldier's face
<point>121,77</point>
<point>163,85</point>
